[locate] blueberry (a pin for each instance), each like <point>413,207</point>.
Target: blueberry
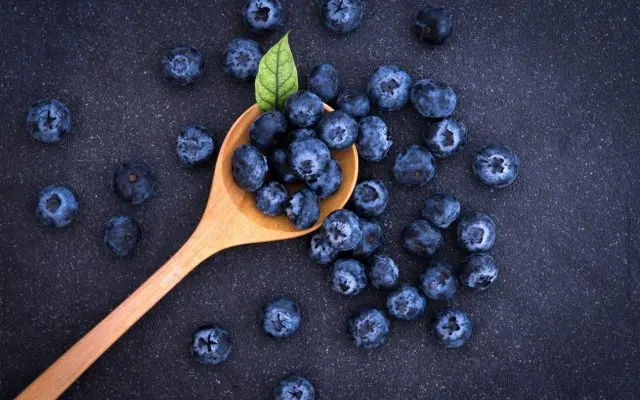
<point>338,130</point>
<point>342,228</point>
<point>303,209</point>
<point>195,145</point>
<point>479,271</point>
<point>121,235</point>
<point>434,25</point>
<point>477,232</point>
<point>441,210</point>
<point>281,318</point>
<point>320,250</point>
<point>280,164</point>
<point>452,327</point>
<point>294,388</point>
<point>446,137</point>
<point>370,198</point>
<point>183,65</point>
<point>309,158</point>
<point>211,345</point>
<point>348,277</point>
<point>414,167</point>
<point>496,166</point>
<point>323,81</point>
<point>406,303</point>
<point>263,16</point>
<point>369,328</point>
<point>268,130</point>
<point>389,87</point>
<point>433,99</point>
<point>57,206</point>
<point>342,16</point>
<point>304,109</point>
<point>438,281</point>
<point>422,239</point>
<point>371,239</point>
<point>354,103</point>
<point>271,198</point>
<point>241,59</point>
<point>48,120</point>
<point>328,182</point>
<point>383,272</point>
<point>249,167</point>
<point>302,133</point>
<point>133,181</point>
<point>373,142</point>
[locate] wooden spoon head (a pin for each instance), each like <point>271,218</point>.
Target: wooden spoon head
<point>235,208</point>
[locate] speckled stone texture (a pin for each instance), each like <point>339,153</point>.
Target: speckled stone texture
<point>557,82</point>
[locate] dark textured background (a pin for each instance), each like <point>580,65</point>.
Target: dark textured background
<point>557,81</point>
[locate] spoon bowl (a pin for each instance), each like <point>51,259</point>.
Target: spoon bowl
<point>230,219</point>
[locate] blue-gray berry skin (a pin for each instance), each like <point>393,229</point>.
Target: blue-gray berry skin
<point>373,141</point>
<point>268,130</point>
<point>496,166</point>
<point>348,277</point>
<point>48,120</point>
<point>324,81</point>
<point>406,303</point>
<point>280,164</point>
<point>441,210</point>
<point>304,109</point>
<point>445,138</point>
<point>434,25</point>
<point>303,209</point>
<point>211,345</point>
<point>241,59</point>
<point>57,206</point>
<point>294,387</point>
<point>320,250</point>
<point>121,235</point>
<point>302,133</point>
<point>195,145</point>
<point>383,272</point>
<point>249,167</point>
<point>263,16</point>
<point>433,99</point>
<point>338,130</point>
<point>371,239</point>
<point>477,232</point>
<point>133,182</point>
<point>342,228</point>
<point>342,16</point>
<point>414,167</point>
<point>329,180</point>
<point>354,103</point>
<point>271,198</point>
<point>369,328</point>
<point>452,327</point>
<point>389,87</point>
<point>479,271</point>
<point>281,318</point>
<point>183,66</point>
<point>422,239</point>
<point>309,158</point>
<point>370,198</point>
<point>438,281</point>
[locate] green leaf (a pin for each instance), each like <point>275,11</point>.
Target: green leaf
<point>277,77</point>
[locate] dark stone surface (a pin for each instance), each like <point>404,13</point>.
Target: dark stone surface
<point>558,82</point>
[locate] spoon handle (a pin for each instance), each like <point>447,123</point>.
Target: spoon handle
<point>62,373</point>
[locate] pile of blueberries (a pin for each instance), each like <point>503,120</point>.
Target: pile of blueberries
<point>294,146</point>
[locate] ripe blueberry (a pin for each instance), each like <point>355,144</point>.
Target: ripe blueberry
<point>422,239</point>
<point>414,167</point>
<point>57,206</point>
<point>249,167</point>
<point>48,120</point>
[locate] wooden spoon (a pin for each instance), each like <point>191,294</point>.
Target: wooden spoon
<point>230,219</point>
